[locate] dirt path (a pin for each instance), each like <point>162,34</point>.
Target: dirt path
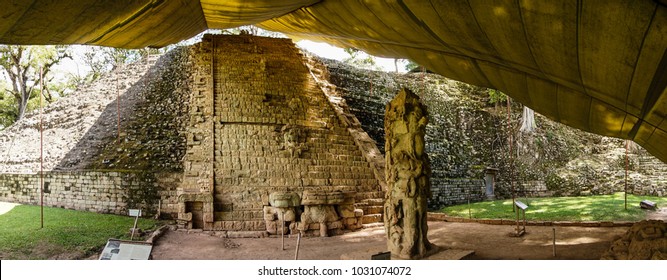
<point>6,207</point>
<point>660,214</point>
<point>488,242</point>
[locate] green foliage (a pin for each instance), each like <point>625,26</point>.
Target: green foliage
<point>588,208</point>
<point>360,59</point>
<point>496,96</point>
<point>554,182</point>
<point>631,162</point>
<point>65,232</point>
<point>8,109</point>
<point>411,66</point>
<point>104,59</point>
<point>21,66</point>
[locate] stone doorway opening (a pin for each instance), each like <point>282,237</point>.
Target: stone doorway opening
<point>197,210</point>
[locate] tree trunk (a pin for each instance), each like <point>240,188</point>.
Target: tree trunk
<point>528,120</point>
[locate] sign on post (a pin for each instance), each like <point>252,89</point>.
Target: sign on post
<point>134,213</point>
<point>520,207</point>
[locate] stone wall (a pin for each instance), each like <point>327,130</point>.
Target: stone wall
<point>458,150</point>
<point>533,189</point>
<point>153,121</point>
<point>81,130</point>
<point>447,192</point>
<point>76,126</point>
<point>101,192</point>
<point>259,125</point>
<point>230,121</point>
<point>466,134</point>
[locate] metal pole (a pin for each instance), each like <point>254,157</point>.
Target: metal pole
<point>282,229</point>
<point>554,246</point>
<point>626,175</point>
<point>423,81</point>
<point>134,228</point>
<point>517,219</point>
<point>41,148</point>
<point>371,85</point>
<point>117,100</point>
<point>298,241</point>
<point>511,156</point>
<point>468,196</point>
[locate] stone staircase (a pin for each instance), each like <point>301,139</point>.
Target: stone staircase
<point>373,212</point>
<point>371,203</point>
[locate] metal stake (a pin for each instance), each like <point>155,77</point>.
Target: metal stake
<point>41,148</point>
<point>554,246</point>
<point>117,101</point>
<point>469,213</point>
<point>298,241</point>
<point>625,191</point>
<point>134,228</point>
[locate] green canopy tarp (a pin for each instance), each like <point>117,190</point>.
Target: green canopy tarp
<point>600,66</point>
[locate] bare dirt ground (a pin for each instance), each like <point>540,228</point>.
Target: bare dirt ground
<point>488,241</point>
<point>6,207</point>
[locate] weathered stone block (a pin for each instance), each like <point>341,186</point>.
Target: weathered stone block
<point>284,199</point>
<point>346,211</point>
<point>334,224</point>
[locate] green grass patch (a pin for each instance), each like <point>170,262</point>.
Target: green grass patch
<point>66,233</point>
<point>582,208</point>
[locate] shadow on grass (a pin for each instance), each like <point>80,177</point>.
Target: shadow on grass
<point>68,232</point>
<point>583,208</point>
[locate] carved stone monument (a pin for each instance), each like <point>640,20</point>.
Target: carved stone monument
<point>408,174</point>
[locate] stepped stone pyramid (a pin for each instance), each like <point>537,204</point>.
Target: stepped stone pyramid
<point>262,126</point>
<point>236,133</point>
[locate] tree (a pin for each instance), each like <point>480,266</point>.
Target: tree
<point>21,65</point>
<point>104,59</point>
<point>528,120</point>
<point>496,96</point>
<point>411,66</point>
<point>7,107</point>
<point>360,59</point>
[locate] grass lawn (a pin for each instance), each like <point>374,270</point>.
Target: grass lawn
<point>584,208</point>
<point>66,234</point>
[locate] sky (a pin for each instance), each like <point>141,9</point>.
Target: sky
<point>325,50</point>
<point>328,51</point>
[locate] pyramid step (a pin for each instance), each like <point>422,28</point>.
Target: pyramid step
<point>363,196</point>
<point>371,218</point>
<point>374,201</point>
<point>373,209</point>
<point>361,205</point>
<point>373,225</point>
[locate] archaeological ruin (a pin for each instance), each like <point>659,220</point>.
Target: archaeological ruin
<point>408,174</point>
<point>239,159</point>
<point>264,145</point>
<point>250,135</point>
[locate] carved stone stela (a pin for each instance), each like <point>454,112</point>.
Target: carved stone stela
<point>408,172</point>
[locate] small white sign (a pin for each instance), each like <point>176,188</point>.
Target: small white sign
<point>135,212</point>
